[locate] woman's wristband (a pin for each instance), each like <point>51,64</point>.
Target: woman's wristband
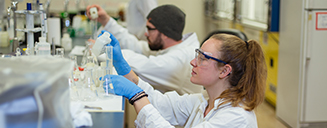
<point>136,98</point>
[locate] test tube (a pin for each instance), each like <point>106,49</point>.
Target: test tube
<point>107,84</point>
<point>107,87</point>
<point>109,58</point>
<point>94,29</point>
<point>94,23</point>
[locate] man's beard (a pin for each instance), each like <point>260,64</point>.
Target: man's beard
<point>157,44</point>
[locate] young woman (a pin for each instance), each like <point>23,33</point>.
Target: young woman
<point>233,73</point>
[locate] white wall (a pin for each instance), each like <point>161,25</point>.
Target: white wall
<point>194,10</point>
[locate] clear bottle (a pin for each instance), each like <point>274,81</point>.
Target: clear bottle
<point>89,91</point>
<point>43,48</point>
<point>66,42</point>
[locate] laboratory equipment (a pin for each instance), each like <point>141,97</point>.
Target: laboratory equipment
<point>94,13</point>
<point>91,62</point>
<point>65,17</point>
<point>29,14</point>
<point>60,52</point>
<point>88,91</point>
<point>30,25</point>
<point>89,57</point>
<point>106,88</point>
<point>43,18</point>
<point>94,29</point>
<point>13,9</point>
<point>42,48</point>
<point>18,53</point>
<point>109,58</point>
<point>301,92</point>
<point>74,78</point>
<point>94,23</point>
<point>66,42</point>
<point>100,43</point>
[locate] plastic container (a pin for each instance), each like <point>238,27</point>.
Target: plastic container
<point>66,42</point>
<point>43,48</point>
<point>99,45</point>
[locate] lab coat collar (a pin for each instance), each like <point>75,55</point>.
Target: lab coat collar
<point>204,104</point>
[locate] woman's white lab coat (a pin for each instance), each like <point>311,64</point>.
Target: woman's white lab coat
<point>187,110</point>
<point>165,70</point>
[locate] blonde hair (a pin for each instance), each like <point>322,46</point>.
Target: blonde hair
<point>249,72</point>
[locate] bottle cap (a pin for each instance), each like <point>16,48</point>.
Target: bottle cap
<point>94,13</point>
<point>29,6</point>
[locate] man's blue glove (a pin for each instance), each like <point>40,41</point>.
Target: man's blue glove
<point>119,62</point>
<point>124,87</point>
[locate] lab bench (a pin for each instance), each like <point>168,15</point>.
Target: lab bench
<point>100,118</point>
<point>110,117</point>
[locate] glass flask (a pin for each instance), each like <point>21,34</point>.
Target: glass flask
<point>89,59</point>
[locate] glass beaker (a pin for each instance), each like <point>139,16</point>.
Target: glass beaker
<point>109,58</point>
<point>89,88</point>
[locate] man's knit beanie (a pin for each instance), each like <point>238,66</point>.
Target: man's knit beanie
<point>169,20</point>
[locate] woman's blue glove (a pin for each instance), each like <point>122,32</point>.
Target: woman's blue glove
<point>119,62</point>
<point>124,87</point>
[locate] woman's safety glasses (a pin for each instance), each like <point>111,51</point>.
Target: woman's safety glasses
<point>202,58</point>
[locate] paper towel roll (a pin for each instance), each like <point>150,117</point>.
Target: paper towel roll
<point>4,40</point>
<point>54,30</point>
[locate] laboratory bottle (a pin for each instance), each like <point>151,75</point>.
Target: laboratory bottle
<point>100,43</point>
<point>66,42</point>
<point>43,48</point>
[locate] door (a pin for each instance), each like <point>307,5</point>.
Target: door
<point>315,73</point>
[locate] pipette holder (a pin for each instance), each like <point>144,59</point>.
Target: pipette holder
<point>30,30</point>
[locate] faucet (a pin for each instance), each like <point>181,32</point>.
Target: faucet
<point>14,8</point>
<point>66,5</point>
<point>47,6</point>
<point>77,6</point>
